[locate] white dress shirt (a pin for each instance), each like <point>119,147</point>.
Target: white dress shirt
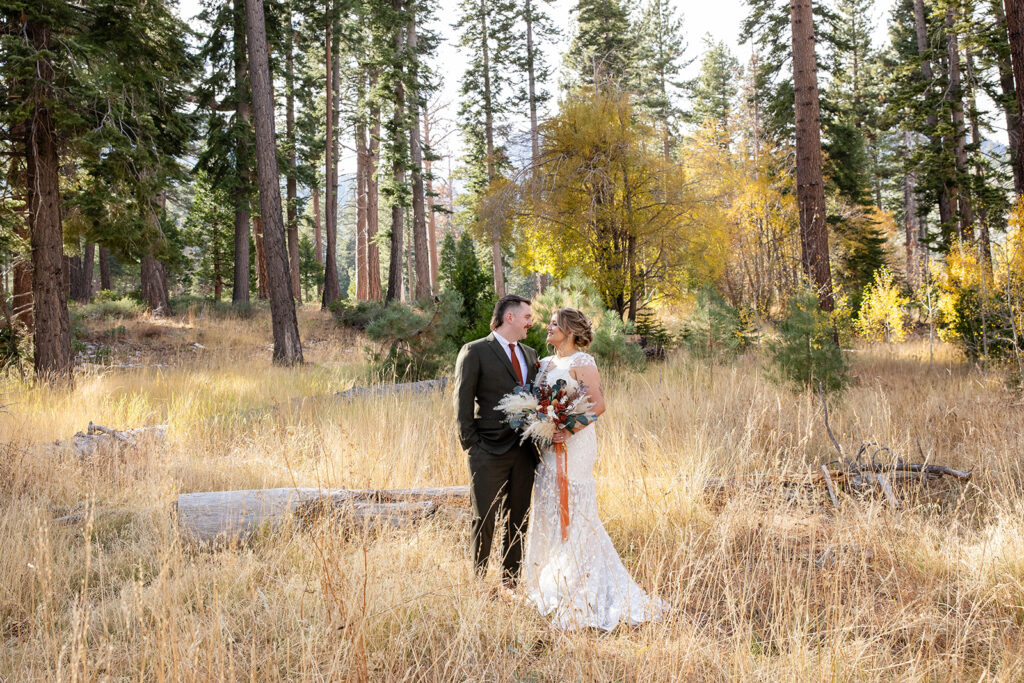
<point>520,355</point>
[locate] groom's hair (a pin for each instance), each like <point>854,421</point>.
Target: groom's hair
<point>504,305</point>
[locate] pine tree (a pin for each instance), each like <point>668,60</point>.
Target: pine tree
<point>108,93</point>
<point>601,51</point>
<point>809,181</point>
<point>660,57</point>
<point>486,35</point>
<point>287,347</point>
<point>714,90</point>
<point>530,60</point>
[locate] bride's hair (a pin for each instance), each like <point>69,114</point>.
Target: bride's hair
<point>573,322</point>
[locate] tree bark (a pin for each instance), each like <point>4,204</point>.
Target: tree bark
<point>419,217</point>
<point>810,187</point>
<point>431,218</point>
<point>287,347</point>
<point>240,287</point>
<point>76,280</point>
<point>154,286</point>
<point>105,268</point>
<point>984,238</point>
<point>21,285</point>
<point>911,221</point>
<point>1015,31</point>
<point>21,291</point>
<point>318,244</point>
<point>362,270</point>
<point>956,96</point>
<point>398,175</point>
<point>332,291</point>
<point>496,264</point>
<point>52,338</point>
<point>261,258</point>
<point>88,268</point>
<point>373,206</point>
<point>1013,121</point>
<point>921,32</point>
<point>531,84</point>
<point>292,180</point>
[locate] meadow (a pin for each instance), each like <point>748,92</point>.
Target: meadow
<point>764,585</point>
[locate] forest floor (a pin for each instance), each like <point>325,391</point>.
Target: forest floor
<point>764,585</point>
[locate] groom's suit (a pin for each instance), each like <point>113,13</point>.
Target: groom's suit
<point>498,464</point>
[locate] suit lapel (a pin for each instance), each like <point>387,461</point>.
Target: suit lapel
<point>502,356</point>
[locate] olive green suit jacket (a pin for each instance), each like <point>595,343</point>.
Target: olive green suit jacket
<point>483,374</point>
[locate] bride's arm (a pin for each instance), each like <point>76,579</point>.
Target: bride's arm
<point>588,376</point>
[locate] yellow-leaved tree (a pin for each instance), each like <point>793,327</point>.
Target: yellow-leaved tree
<point>602,198</point>
<point>753,205</point>
<point>883,309</point>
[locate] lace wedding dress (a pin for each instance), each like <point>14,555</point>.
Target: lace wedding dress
<point>581,582</point>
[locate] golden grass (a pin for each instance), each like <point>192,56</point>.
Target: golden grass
<point>764,587</point>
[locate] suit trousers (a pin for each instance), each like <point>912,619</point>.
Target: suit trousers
<point>500,484</point>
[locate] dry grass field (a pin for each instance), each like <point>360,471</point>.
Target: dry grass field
<point>764,585</point>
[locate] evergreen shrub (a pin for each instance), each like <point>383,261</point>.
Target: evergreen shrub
<point>714,330</point>
<point>805,352</point>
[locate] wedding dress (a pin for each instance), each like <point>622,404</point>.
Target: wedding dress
<point>581,582</point>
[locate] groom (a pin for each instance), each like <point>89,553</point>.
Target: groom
<point>500,467</point>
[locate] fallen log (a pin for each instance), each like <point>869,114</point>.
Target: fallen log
<point>226,517</point>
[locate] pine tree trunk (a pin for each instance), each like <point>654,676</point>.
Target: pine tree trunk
<point>398,176</point>
<point>984,238</point>
<point>218,278</point>
<point>496,264</point>
<point>240,287</point>
<point>318,244</point>
<point>431,218</point>
<point>287,347</point>
<point>1015,30</point>
<point>21,285</point>
<point>292,181</point>
<point>373,207</point>
<point>810,186</point>
<point>362,271</point>
<point>956,96</point>
<point>105,282</point>
<point>911,221</point>
<point>21,290</point>
<point>88,266</point>
<point>1013,121</point>
<point>76,279</point>
<point>332,292</point>
<point>921,32</point>
<point>261,258</point>
<point>419,215</point>
<point>531,85</point>
<point>52,338</point>
<point>154,286</point>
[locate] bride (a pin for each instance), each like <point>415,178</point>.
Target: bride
<point>580,582</point>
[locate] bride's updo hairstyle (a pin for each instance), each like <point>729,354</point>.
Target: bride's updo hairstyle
<point>572,322</point>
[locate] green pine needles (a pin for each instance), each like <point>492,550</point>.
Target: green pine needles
<point>805,353</point>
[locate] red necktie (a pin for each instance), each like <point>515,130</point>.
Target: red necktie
<point>515,363</point>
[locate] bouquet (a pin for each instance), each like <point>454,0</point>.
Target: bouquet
<point>540,410</point>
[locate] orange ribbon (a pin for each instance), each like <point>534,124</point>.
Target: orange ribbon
<point>563,489</point>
